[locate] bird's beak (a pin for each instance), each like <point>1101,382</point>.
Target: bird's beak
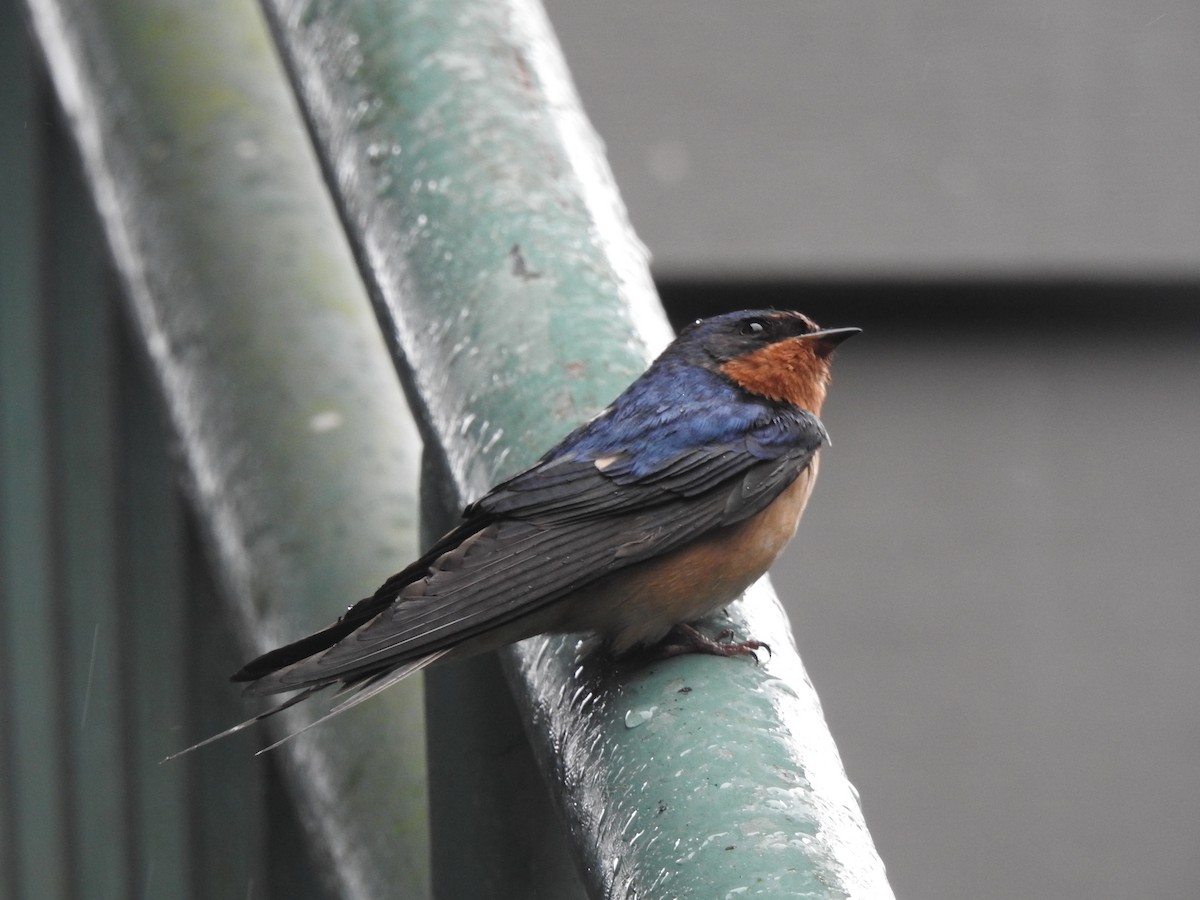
<point>827,339</point>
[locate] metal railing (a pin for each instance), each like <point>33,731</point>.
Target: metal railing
<point>468,188</point>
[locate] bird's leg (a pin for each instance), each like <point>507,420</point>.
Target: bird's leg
<point>683,638</point>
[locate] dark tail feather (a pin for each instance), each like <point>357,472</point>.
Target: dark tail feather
<point>361,612</point>
<point>354,692</point>
<point>358,692</point>
<point>242,726</point>
<point>282,657</point>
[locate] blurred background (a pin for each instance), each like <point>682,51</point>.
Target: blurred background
<point>996,588</point>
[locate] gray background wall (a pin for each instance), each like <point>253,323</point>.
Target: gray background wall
<point>997,586</point>
<point>996,594</point>
<point>879,135</point>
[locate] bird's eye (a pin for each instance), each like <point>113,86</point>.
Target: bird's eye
<point>754,327</point>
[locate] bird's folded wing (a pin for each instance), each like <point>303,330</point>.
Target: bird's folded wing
<point>596,484</point>
<point>541,535</point>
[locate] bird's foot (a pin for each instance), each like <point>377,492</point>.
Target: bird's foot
<point>686,639</point>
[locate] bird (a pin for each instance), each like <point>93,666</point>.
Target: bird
<point>657,512</point>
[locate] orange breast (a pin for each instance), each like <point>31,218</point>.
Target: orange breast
<point>639,605</point>
<point>786,370</point>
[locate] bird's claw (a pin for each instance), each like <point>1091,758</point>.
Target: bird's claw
<point>694,641</point>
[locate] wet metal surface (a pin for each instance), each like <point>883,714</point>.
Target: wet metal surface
<point>496,250</point>
<point>700,776</point>
<point>289,418</point>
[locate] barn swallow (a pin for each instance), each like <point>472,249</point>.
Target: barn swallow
<point>657,512</point>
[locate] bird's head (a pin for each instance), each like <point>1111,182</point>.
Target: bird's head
<point>778,354</point>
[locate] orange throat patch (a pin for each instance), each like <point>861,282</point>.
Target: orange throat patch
<point>787,370</point>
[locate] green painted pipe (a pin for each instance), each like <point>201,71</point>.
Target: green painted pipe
<point>518,302</point>
<point>31,788</point>
<point>301,459</point>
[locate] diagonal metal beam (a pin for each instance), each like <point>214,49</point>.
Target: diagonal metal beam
<point>517,303</point>
<point>291,423</point>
